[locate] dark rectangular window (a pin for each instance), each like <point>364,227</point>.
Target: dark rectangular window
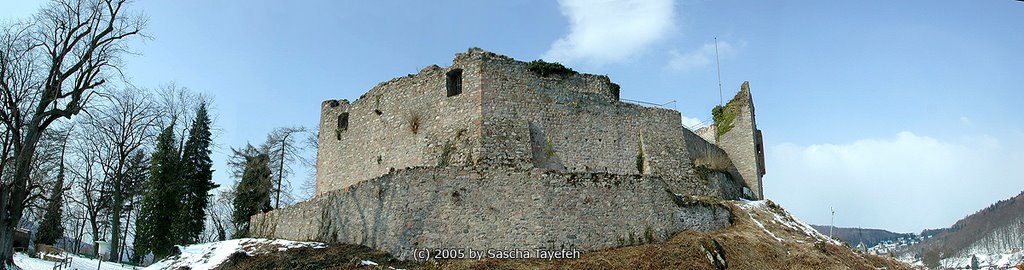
<point>453,80</point>
<point>343,121</point>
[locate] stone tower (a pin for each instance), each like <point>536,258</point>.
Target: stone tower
<point>743,141</point>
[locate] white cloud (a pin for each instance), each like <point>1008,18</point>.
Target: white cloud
<point>610,30</point>
<point>964,120</point>
<point>693,123</point>
<point>906,183</point>
<point>701,57</point>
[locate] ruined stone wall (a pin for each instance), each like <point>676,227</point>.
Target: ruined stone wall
<point>708,133</point>
<point>697,146</point>
<point>743,143</point>
<point>408,121</point>
<point>515,161</point>
<point>725,184</point>
<point>575,123</point>
<point>506,115</point>
<point>493,207</point>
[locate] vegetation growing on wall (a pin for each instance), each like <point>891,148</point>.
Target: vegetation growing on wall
<point>640,156</point>
<point>640,161</point>
<point>414,122</point>
<point>446,153</point>
<point>549,149</point>
<point>446,150</point>
<point>649,234</point>
<point>545,69</point>
<point>724,116</point>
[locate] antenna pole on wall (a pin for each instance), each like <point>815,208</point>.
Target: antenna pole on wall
<point>719,64</point>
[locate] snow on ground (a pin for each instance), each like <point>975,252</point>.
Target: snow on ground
<point>209,255</point>
<point>29,263</point>
<point>1006,260</point>
<point>782,218</point>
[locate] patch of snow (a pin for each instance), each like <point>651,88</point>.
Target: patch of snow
<point>210,255</point>
<point>28,263</point>
<point>367,263</point>
<point>1005,260</point>
<point>762,227</point>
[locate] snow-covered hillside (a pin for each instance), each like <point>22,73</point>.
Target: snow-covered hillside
<point>194,257</point>
<point>210,255</point>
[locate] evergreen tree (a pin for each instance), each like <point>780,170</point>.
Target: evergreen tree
<point>197,178</point>
<point>162,200</point>
<point>51,229</point>
<point>252,195</point>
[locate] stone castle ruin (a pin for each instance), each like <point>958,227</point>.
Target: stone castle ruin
<point>494,153</point>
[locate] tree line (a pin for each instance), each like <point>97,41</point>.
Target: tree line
<point>85,156</point>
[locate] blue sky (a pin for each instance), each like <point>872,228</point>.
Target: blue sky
<point>903,115</point>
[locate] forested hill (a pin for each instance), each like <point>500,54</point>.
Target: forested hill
<point>854,236</point>
<point>995,229</point>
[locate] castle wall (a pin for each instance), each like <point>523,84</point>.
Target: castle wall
<point>744,145</point>
<point>576,124</point>
<point>514,161</point>
<point>506,115</point>
<point>499,208</point>
<point>406,122</point>
<point>724,184</point>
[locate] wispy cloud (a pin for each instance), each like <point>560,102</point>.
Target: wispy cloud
<point>693,123</point>
<point>906,183</point>
<point>700,57</point>
<point>611,30</point>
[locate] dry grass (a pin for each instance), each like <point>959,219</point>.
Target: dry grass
<point>414,122</point>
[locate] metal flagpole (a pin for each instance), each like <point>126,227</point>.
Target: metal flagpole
<point>719,64</point>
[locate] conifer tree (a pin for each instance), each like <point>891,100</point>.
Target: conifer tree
<point>162,200</point>
<point>252,195</point>
<point>196,178</point>
<point>51,229</point>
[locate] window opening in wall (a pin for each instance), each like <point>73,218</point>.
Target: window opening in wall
<point>453,79</point>
<point>343,121</point>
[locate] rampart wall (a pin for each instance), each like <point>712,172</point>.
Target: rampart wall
<point>497,207</point>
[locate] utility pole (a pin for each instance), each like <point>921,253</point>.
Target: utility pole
<point>718,63</point>
<point>833,224</point>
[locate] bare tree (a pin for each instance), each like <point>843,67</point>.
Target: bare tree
<point>123,124</point>
<point>86,174</point>
<point>220,227</point>
<point>48,69</point>
<point>312,143</point>
<point>285,150</point>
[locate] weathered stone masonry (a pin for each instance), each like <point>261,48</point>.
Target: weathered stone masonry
<point>486,154</point>
<point>743,142</point>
